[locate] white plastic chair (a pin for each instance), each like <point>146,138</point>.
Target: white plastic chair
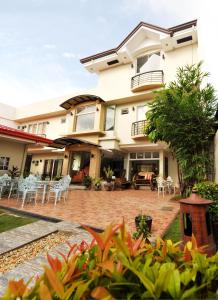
<point>170,185</point>
<point>161,185</point>
<point>5,182</point>
<point>27,187</point>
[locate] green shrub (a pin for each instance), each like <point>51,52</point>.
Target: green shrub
<point>115,266</point>
<point>209,191</point>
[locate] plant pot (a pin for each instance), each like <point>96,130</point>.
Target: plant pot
<point>148,220</point>
<point>108,186</point>
<point>97,187</point>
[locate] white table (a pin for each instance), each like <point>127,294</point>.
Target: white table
<point>45,184</point>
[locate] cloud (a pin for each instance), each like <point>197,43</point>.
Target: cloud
<point>49,46</point>
<point>69,55</point>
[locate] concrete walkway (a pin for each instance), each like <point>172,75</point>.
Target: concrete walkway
<point>34,267</point>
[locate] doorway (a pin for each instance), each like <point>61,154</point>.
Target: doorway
<point>79,166</point>
<point>52,168</point>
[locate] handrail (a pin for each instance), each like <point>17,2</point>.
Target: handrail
<point>147,78</point>
<point>138,127</point>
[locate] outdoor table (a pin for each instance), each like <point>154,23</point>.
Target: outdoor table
<point>45,184</point>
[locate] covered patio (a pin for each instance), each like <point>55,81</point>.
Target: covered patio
<point>100,208</point>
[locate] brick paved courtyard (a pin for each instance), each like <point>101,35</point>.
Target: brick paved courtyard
<point>98,209</point>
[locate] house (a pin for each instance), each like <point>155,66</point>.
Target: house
<point>105,125</point>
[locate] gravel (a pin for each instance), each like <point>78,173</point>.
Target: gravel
<point>13,258</point>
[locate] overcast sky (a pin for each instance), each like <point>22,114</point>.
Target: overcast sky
<point>41,41</point>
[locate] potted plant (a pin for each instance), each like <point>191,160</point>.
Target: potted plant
<point>108,174</point>
<point>14,172</point>
<point>145,218</point>
<point>87,181</point>
<point>97,184</point>
<point>143,226</point>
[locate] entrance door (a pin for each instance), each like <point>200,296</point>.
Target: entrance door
<point>27,165</point>
<point>79,166</point>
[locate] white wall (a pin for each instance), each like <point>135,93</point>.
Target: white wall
<point>7,115</point>
<point>15,151</point>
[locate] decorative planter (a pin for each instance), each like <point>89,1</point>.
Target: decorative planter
<point>97,187</point>
<point>148,220</point>
<point>108,186</point>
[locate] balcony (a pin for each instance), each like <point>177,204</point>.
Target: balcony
<point>147,80</point>
<point>138,129</point>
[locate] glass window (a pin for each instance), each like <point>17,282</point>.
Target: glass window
<point>147,154</point>
<point>85,118</point>
<point>141,110</point>
<point>41,128</point>
<point>139,155</point>
<point>155,154</point>
<point>132,155</point>
<point>147,63</point>
<point>110,115</point>
<point>4,162</point>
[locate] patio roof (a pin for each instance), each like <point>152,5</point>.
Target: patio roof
<point>79,99</point>
<point>21,135</point>
<point>66,141</point>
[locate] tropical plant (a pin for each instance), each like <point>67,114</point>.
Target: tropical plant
<point>97,184</point>
<point>183,116</point>
<point>14,172</point>
<point>87,181</point>
<point>142,227</point>
<point>209,191</point>
<point>108,173</point>
<point>115,266</point>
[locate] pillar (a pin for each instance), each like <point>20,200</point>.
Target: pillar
<point>65,168</point>
<point>161,163</point>
<point>95,163</point>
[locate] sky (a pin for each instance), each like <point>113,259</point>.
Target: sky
<point>42,41</point>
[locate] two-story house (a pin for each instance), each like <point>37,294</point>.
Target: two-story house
<point>105,125</point>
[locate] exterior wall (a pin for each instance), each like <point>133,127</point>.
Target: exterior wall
<point>172,169</point>
<point>38,169</point>
<point>7,115</point>
<point>16,152</point>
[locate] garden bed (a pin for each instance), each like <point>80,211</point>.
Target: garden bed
<point>15,257</point>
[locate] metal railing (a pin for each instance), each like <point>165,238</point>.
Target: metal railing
<point>138,127</point>
<point>147,78</point>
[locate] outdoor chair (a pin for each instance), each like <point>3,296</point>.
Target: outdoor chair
<point>28,189</point>
<point>161,186</point>
<point>13,187</point>
<point>59,190</point>
<point>5,182</point>
<point>170,185</point>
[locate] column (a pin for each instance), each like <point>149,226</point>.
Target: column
<point>161,163</point>
<point>95,163</point>
<point>65,168</point>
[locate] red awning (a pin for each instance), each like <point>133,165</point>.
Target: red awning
<point>9,131</point>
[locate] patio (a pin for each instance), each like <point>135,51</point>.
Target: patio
<point>98,209</point>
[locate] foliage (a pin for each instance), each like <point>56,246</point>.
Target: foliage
<point>142,228</point>
<point>14,172</point>
<point>173,232</point>
<point>183,116</point>
<point>108,172</point>
<point>209,191</point>
<point>115,266</point>
<point>87,181</point>
<point>97,184</point>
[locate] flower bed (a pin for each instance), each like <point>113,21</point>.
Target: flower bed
<point>12,258</point>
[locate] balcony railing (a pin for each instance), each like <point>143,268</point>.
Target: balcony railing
<point>147,79</point>
<point>138,128</point>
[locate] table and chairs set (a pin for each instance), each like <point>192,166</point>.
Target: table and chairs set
<point>165,185</point>
<point>33,188</point>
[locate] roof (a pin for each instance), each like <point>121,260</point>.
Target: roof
<point>9,131</point>
<point>66,141</point>
<point>170,31</point>
<point>79,99</point>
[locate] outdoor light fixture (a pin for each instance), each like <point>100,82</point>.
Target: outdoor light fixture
<point>97,109</point>
<point>65,156</point>
<point>163,56</point>
<point>133,108</point>
<point>92,155</point>
<point>40,160</point>
<point>71,113</point>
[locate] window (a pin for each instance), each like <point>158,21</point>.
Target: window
<point>32,128</point>
<point>141,110</point>
<point>124,111</point>
<point>147,154</point>
<point>42,128</point>
<point>85,118</point>
<point>132,155</point>
<point>147,63</point>
<point>4,162</point>
<point>156,155</point>
<point>140,155</point>
<point>63,120</point>
<point>110,116</point>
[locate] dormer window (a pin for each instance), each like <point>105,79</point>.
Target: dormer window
<point>149,62</point>
<point>85,118</point>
